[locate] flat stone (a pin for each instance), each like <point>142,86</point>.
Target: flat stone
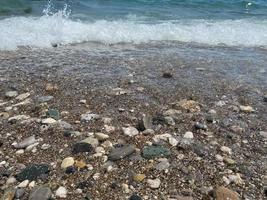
<point>145,123</point>
<point>49,121</point>
<point>246,109</point>
<point>61,192</point>
<point>121,152</point>
<point>67,162</point>
<point>11,94</point>
<point>53,113</point>
<point>92,141</point>
<point>23,96</point>
<point>135,197</point>
<point>130,131</point>
<point>188,135</point>
<point>223,193</point>
<point>154,183</point>
<point>101,136</point>
<point>32,172</point>
<point>89,117</point>
<point>25,143</point>
<point>81,147</point>
<point>150,152</point>
<point>42,192</point>
<point>43,99</point>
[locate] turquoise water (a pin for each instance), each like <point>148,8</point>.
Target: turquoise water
<point>211,22</point>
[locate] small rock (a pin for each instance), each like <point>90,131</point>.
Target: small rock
<point>163,165</point>
<point>226,150</point>
<point>130,131</point>
<point>43,99</point>
<point>246,109</point>
<point>101,136</point>
<point>23,184</point>
<point>121,152</point>
<point>53,113</point>
<point>92,141</point>
<point>67,162</point>
<point>154,183</point>
<point>89,117</point>
<point>135,197</point>
<point>20,152</point>
<point>139,177</point>
<point>223,193</point>
<point>11,94</point>
<point>49,87</point>
<point>32,172</point>
<point>263,134</point>
<point>82,147</point>
<point>19,193</point>
<point>61,192</point>
<point>219,157</point>
<point>265,98</point>
<point>32,184</point>
<point>40,193</point>
<point>167,75</point>
<point>11,181</point>
<point>169,121</point>
<point>188,135</point>
<point>148,132</point>
<point>188,105</point>
<point>25,143</point>
<point>49,121</point>
<point>145,123</point>
<point>201,126</point>
<point>150,152</point>
<point>80,164</point>
<point>23,96</point>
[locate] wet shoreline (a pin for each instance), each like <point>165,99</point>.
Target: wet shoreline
<point>124,83</point>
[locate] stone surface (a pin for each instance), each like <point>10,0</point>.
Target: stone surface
<point>11,94</point>
<point>92,141</point>
<point>81,147</point>
<point>154,183</point>
<point>188,135</point>
<point>67,162</point>
<point>32,172</point>
<point>19,193</point>
<point>43,99</point>
<point>49,121</point>
<point>150,152</point>
<point>121,152</point>
<point>246,109</point>
<point>223,193</point>
<point>101,136</point>
<point>163,165</point>
<point>135,197</point>
<point>40,193</point>
<point>89,117</point>
<point>53,113</point>
<point>145,123</point>
<point>130,131</point>
<point>25,143</point>
<point>139,177</point>
<point>23,96</point>
<point>61,192</point>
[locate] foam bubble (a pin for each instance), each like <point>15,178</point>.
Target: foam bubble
<point>58,28</point>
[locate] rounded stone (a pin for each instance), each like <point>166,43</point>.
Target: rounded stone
<point>67,162</point>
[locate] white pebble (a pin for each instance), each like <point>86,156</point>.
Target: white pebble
<point>61,192</point>
<point>188,135</point>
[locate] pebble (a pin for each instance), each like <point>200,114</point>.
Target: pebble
<point>61,192</point>
<point>101,136</point>
<point>188,105</point>
<point>49,121</point>
<point>169,121</point>
<point>148,132</point>
<point>40,193</point>
<point>223,193</point>
<point>43,99</point>
<point>19,152</point>
<point>154,183</point>
<point>19,193</point>
<point>188,135</point>
<point>92,141</point>
<point>135,197</point>
<point>24,184</point>
<point>139,177</point>
<point>163,165</point>
<point>121,152</point>
<point>32,184</point>
<point>145,123</point>
<point>25,143</point>
<point>226,150</point>
<point>246,109</point>
<point>80,164</point>
<point>167,75</point>
<point>201,126</point>
<point>67,162</point>
<point>11,180</point>
<point>263,134</point>
<point>219,157</point>
<point>53,113</point>
<point>11,94</point>
<point>82,147</point>
<point>23,96</point>
<point>32,172</point>
<point>150,152</point>
<point>130,131</point>
<point>89,117</point>
<point>18,118</point>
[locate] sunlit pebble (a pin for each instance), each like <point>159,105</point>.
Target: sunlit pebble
<point>61,150</point>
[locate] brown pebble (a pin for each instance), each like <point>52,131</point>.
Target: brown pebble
<point>223,193</point>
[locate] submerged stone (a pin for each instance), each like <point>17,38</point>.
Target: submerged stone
<point>150,152</point>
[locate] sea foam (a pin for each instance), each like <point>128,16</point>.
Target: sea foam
<point>59,28</point>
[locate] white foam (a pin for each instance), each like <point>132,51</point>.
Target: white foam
<point>45,30</point>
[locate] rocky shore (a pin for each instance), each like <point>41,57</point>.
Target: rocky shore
<point>130,134</point>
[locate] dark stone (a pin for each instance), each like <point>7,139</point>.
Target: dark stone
<point>121,152</point>
<point>201,126</point>
<point>32,172</point>
<point>145,123</point>
<point>135,197</point>
<point>54,45</point>
<point>67,133</point>
<point>70,170</point>
<point>40,193</point>
<point>53,113</point>
<point>82,147</point>
<point>167,75</point>
<point>150,152</point>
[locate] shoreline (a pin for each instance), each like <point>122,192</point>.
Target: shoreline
<point>221,102</point>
